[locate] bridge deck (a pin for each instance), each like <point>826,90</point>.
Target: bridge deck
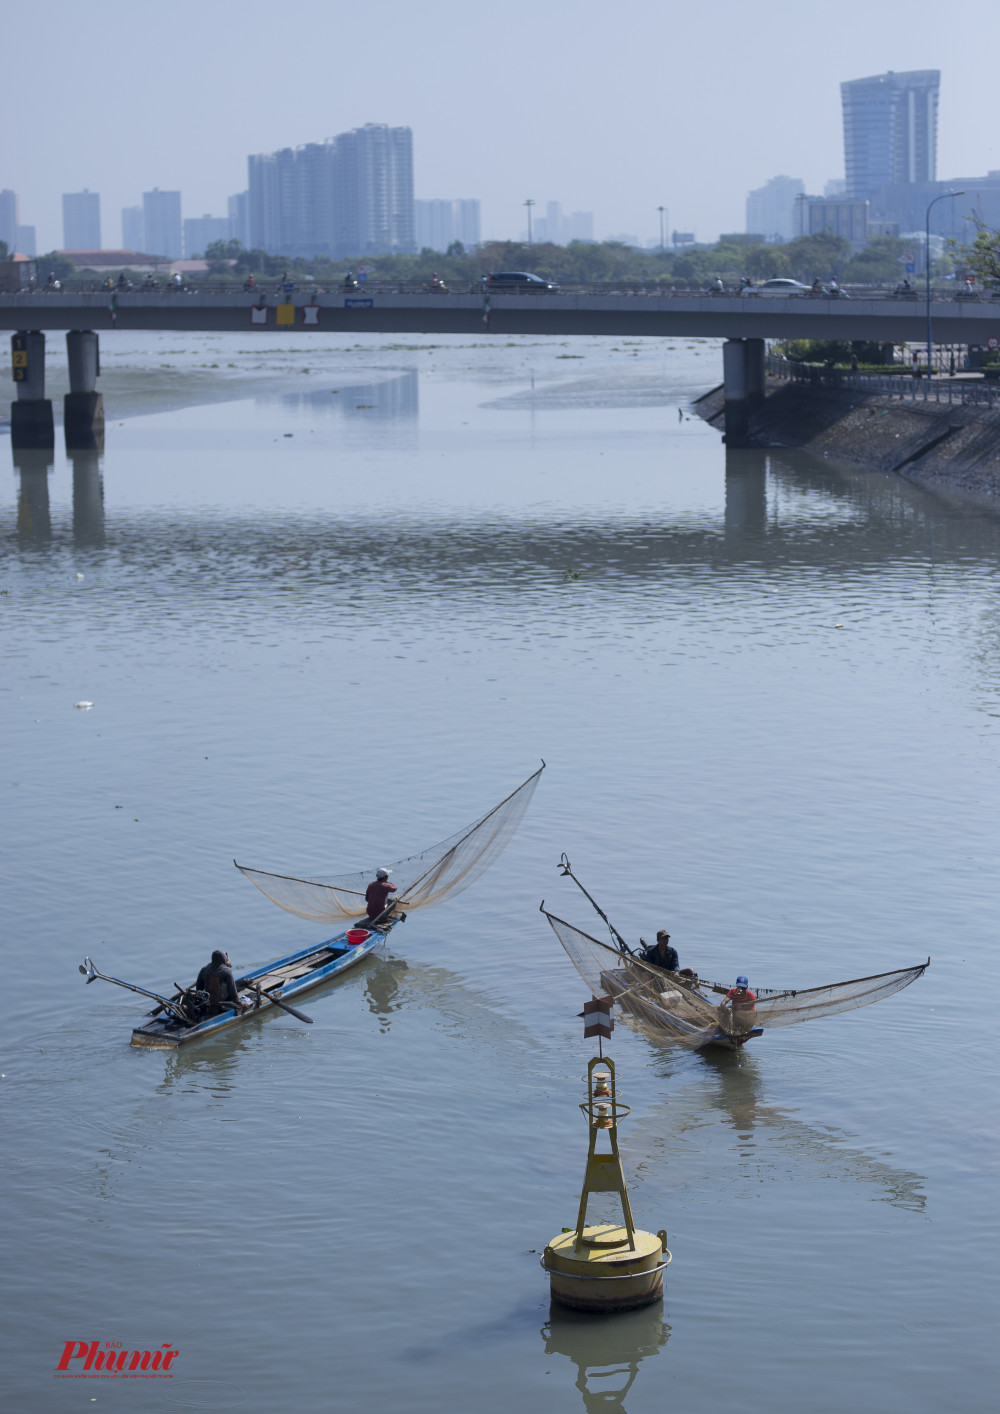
<point>664,316</point>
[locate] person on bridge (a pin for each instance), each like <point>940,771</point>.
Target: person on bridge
<point>377,894</point>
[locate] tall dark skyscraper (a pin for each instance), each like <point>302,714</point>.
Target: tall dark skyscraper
<point>890,130</point>
<point>351,195</point>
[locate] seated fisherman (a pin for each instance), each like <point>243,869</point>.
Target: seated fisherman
<point>661,954</point>
<point>216,978</point>
<point>377,894</point>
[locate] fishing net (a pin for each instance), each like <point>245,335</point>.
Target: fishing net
<point>434,874</point>
<point>664,1006</point>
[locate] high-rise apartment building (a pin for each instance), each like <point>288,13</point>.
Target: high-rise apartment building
<point>25,241</point>
<point>239,224</point>
<point>373,191</point>
<point>132,236</point>
<point>559,229</point>
<point>290,200</point>
<point>161,223</point>
<point>771,209</point>
<point>890,130</point>
<point>8,218</point>
<point>351,195</point>
<point>201,231</point>
<point>839,215</point>
<point>81,220</point>
<point>439,223</point>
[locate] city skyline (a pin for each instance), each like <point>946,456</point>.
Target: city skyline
<point>612,138</point>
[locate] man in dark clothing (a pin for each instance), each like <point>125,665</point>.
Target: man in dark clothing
<point>216,978</point>
<point>661,954</point>
<point>377,893</point>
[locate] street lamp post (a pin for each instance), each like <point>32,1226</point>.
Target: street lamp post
<point>661,210</point>
<point>927,263</point>
<point>529,204</point>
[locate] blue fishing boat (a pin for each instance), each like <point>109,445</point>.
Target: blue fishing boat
<point>434,874</point>
<point>190,1016</point>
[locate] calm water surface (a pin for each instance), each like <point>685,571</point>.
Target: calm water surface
<point>330,604</point>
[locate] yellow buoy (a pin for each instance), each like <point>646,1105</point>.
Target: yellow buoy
<point>605,1266</point>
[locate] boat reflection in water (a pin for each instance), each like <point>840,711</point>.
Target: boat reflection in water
<point>719,1121</point>
<point>606,1350</point>
<point>382,990</point>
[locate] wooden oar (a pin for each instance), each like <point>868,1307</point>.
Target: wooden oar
<point>285,1006</point>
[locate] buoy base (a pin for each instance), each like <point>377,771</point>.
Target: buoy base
<point>602,1273</point>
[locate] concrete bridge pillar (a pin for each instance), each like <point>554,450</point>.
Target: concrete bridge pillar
<point>734,377</point>
<point>83,405</point>
<point>31,416</point>
<point>743,372</point>
<point>754,353</point>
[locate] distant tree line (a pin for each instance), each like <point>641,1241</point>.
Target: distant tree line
<point>823,256</point>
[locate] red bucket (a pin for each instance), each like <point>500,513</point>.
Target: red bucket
<point>356,936</point>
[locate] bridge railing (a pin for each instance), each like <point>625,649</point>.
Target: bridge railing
<point>303,289</point>
<point>902,385</point>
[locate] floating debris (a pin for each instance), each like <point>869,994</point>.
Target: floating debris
<point>83,706</point>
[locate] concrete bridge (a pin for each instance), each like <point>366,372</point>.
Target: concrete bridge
<point>743,322</point>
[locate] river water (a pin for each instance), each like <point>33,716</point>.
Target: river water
<point>332,603</point>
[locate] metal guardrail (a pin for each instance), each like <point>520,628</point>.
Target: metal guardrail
<point>902,386</point>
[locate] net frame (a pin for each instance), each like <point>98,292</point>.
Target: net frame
<point>438,872</point>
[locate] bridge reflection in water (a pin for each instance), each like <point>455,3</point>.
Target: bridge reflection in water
<point>34,513</point>
<point>783,506</point>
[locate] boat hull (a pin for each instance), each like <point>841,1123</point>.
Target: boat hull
<point>289,977</point>
<point>724,1041</point>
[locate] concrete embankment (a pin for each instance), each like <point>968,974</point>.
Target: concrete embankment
<point>932,443</point>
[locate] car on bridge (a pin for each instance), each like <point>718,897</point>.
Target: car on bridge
<point>518,282</point>
<point>778,289</point>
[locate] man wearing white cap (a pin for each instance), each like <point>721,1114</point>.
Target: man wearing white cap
<point>377,893</point>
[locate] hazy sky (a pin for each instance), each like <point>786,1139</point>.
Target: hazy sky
<point>610,108</point>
